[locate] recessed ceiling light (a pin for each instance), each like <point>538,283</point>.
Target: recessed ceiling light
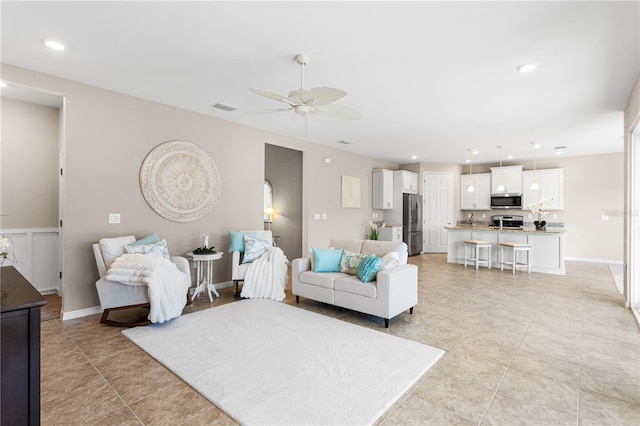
<point>467,161</point>
<point>526,67</point>
<point>345,142</point>
<point>559,150</point>
<point>3,84</point>
<point>475,152</point>
<point>52,44</point>
<point>414,157</point>
<point>509,157</point>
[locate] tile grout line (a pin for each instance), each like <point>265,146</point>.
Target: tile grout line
<point>484,414</point>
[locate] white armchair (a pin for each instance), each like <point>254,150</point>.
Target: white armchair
<point>114,295</point>
<point>239,269</point>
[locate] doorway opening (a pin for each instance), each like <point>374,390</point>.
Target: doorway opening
<point>32,155</point>
<point>283,173</point>
<point>633,259</point>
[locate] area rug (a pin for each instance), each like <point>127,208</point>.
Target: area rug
<point>267,363</point>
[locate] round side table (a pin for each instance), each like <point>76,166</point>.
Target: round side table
<point>204,282</point>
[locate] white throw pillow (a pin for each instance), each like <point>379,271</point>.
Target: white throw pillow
<point>254,248</point>
<point>389,261</point>
<point>114,247</point>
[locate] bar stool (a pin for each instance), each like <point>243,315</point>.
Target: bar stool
<point>515,249</point>
<point>475,246</point>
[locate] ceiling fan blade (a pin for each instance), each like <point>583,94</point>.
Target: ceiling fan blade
<point>274,96</point>
<point>338,111</point>
<point>322,95</point>
<point>271,110</point>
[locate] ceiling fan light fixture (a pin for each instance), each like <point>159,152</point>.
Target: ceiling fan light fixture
<point>318,100</point>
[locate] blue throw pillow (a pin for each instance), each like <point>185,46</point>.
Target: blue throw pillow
<point>368,268</point>
<point>149,239</point>
<point>326,260</point>
<point>237,240</point>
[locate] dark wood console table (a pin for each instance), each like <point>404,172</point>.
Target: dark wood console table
<point>20,349</point>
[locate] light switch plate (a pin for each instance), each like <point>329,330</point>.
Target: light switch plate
<point>324,216</point>
<point>114,218</point>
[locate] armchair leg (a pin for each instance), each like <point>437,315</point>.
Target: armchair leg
<point>411,310</point>
<point>297,299</point>
<point>106,321</point>
<point>386,323</point>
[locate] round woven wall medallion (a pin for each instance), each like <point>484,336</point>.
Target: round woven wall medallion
<point>180,181</point>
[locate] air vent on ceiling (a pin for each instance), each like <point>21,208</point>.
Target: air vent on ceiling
<point>345,142</point>
<point>225,107</point>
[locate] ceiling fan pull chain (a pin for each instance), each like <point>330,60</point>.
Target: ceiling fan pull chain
<point>302,76</point>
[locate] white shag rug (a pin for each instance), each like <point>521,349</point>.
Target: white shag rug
<point>267,363</point>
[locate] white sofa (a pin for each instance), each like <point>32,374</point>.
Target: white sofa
<point>392,292</point>
<point>115,295</point>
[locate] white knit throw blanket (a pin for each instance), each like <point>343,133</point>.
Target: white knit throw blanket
<point>166,283</point>
<point>266,277</point>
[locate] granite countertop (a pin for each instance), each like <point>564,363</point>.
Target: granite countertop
<point>551,230</point>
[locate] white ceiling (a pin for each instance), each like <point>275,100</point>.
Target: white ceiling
<point>430,78</point>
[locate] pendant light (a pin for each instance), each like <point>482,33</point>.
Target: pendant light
<point>500,187</point>
<point>534,185</point>
<point>470,188</point>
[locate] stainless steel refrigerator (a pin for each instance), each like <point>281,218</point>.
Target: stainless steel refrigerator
<point>412,222</point>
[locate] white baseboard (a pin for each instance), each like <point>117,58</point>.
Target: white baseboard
<point>81,313</point>
<point>47,291</point>
<point>225,284</point>
<point>98,310</point>
<point>589,260</point>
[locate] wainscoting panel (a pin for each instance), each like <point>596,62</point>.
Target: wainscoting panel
<point>37,256</point>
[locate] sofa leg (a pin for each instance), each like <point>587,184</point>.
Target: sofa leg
<point>411,310</point>
<point>386,323</point>
<point>297,299</point>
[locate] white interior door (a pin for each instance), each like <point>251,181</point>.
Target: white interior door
<point>438,196</point>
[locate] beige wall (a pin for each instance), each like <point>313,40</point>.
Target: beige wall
<point>594,186</point>
<point>29,165</point>
<point>108,135</point>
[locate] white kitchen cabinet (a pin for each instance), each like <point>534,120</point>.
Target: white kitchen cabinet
<point>510,176</point>
<point>390,233</point>
<point>382,189</point>
<point>550,184</point>
<point>480,199</point>
<point>408,181</point>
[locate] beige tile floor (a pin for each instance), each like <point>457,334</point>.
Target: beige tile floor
<point>527,349</point>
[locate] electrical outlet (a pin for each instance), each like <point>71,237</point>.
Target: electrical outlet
<point>555,216</point>
<point>114,218</point>
<point>316,216</point>
<point>529,216</point>
<point>605,217</point>
<point>375,215</point>
<point>324,216</point>
<point>484,215</point>
<point>468,215</point>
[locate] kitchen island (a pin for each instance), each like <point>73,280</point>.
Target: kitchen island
<point>547,247</point>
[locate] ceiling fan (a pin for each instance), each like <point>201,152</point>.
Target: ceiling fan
<point>318,100</point>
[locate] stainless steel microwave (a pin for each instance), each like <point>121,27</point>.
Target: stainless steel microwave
<point>506,201</point>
